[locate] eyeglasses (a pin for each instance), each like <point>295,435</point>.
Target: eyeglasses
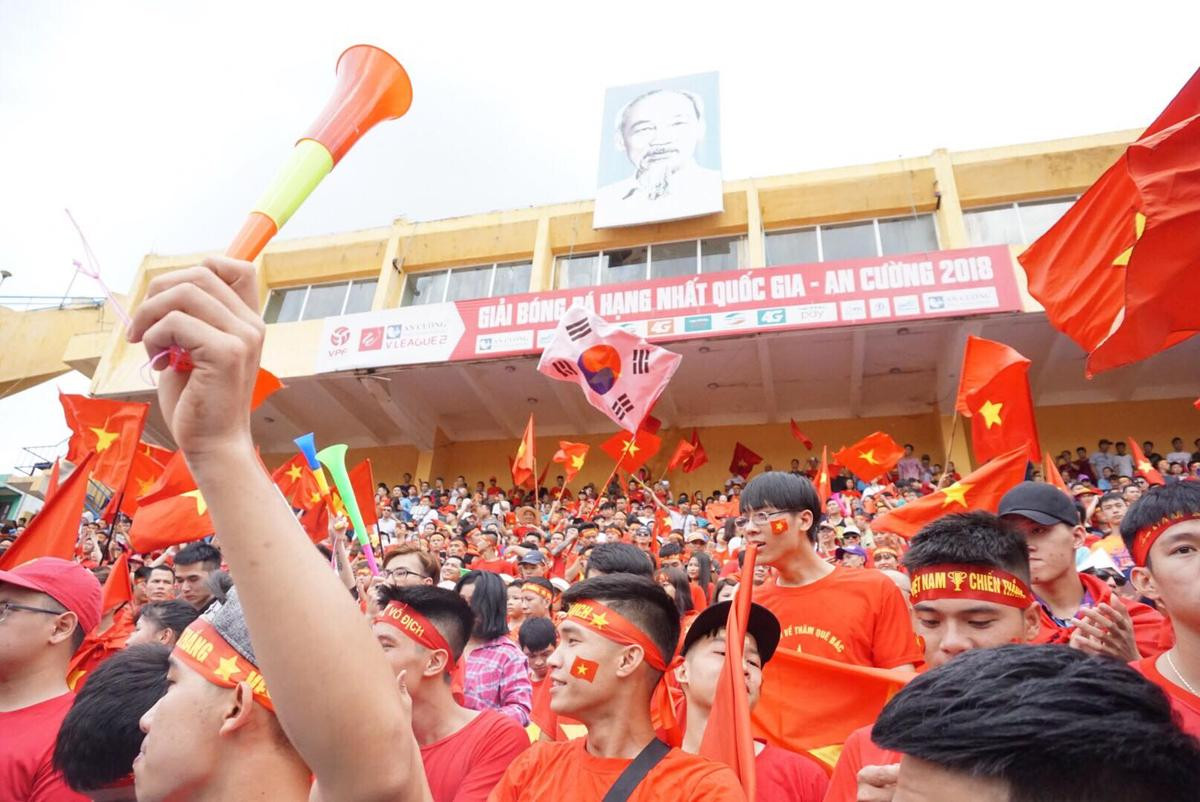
<point>761,518</point>
<point>6,606</point>
<point>400,574</point>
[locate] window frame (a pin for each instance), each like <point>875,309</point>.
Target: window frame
<point>493,268</point>
<point>598,255</point>
<point>1015,206</point>
<point>875,221</point>
<point>308,291</point>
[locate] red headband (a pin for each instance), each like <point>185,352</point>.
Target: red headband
<point>952,581</point>
<point>610,624</point>
<point>415,626</point>
<point>1147,535</point>
<point>534,587</point>
<point>201,648</point>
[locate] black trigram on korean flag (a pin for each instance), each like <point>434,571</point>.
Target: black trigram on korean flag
<point>622,406</point>
<point>564,368</point>
<point>641,360</point>
<point>579,329</point>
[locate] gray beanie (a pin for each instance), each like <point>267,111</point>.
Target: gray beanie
<point>227,618</point>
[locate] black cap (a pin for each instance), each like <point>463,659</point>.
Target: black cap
<point>763,625</point>
<point>1041,503</point>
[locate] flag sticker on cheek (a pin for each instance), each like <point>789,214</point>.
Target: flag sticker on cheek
<point>584,669</point>
<point>779,526</point>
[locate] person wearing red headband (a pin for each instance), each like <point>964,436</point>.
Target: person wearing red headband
<point>1162,532</point>
<point>423,631</point>
<point>616,642</point>
<point>970,590</point>
<point>537,597</point>
<point>1077,609</point>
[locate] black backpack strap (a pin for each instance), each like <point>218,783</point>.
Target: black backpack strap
<point>636,771</point>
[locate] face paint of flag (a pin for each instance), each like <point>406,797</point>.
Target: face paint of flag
<point>584,669</point>
<point>779,526</point>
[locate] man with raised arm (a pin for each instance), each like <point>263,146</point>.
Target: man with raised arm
<point>330,685</point>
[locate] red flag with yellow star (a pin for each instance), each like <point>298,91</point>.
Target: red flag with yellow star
<point>824,489</point>
<point>171,512</point>
<point>143,473</point>
<point>696,457</point>
<point>632,451</point>
<point>55,528</point>
<point>524,466</point>
<point>571,456</point>
<point>993,391</point>
<point>110,428</point>
<point>1120,271</point>
<point>872,456</point>
<point>297,483</point>
<point>1142,466</point>
<point>743,461</point>
<point>979,490</point>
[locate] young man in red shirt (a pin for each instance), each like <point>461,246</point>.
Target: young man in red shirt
<point>46,606</point>
<point>1077,609</point>
<point>1162,532</point>
<point>423,631</point>
<point>944,560</point>
<point>779,773</point>
<point>615,644</point>
<point>852,616</point>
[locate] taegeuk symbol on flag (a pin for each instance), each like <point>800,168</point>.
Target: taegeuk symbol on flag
<point>620,373</point>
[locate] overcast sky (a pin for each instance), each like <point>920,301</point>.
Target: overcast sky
<point>158,124</point>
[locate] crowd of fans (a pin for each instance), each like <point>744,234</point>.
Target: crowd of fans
<point>520,646</point>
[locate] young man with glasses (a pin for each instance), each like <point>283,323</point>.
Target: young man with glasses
<point>46,607</point>
<point>406,564</point>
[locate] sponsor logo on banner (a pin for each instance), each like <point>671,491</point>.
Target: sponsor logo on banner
<point>340,336</point>
<point>965,300</point>
<point>371,339</point>
<point>697,323</point>
<point>661,328</point>
<point>815,313</point>
<point>907,305</point>
<point>880,307</point>
<point>854,310</point>
<point>772,317</point>
<point>504,341</point>
<point>734,320</point>
<point>394,331</point>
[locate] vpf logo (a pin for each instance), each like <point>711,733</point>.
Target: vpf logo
<point>340,336</point>
<point>957,577</point>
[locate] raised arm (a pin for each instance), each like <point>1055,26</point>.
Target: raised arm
<point>329,679</point>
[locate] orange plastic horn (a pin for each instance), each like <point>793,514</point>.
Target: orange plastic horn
<point>371,87</point>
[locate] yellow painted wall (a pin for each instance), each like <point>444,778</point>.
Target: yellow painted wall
<point>1069,426</point>
<point>43,335</point>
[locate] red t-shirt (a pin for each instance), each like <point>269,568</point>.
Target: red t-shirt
<point>567,772</point>
<point>699,602</point>
<point>782,774</point>
<point>26,748</point>
<point>465,766</point>
<point>851,615</point>
<point>1185,705</point>
<point>858,751</point>
<point>497,566</point>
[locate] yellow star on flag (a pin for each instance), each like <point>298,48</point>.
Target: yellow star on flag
<point>1144,465</point>
<point>104,438</point>
<point>577,462</point>
<point>631,447</point>
<point>521,450</point>
<point>144,485</point>
<point>600,620</point>
<point>991,413</point>
<point>956,493</point>
<point>582,670</point>
<point>1139,227</point>
<point>228,666</point>
<point>294,473</point>
<point>315,497</point>
<point>201,504</point>
<point>869,457</point>
<point>824,477</point>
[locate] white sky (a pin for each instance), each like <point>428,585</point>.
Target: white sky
<point>159,123</point>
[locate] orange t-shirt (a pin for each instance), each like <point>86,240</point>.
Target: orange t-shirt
<point>1185,705</point>
<point>852,615</point>
<point>566,772</point>
<point>858,751</point>
<point>699,602</point>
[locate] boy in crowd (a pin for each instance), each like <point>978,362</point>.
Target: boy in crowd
<point>1162,531</point>
<point>1027,723</point>
<point>537,598</point>
<point>1076,608</point>
<point>162,622</point>
<point>779,774</point>
<point>616,643</point>
<point>194,564</point>
<point>944,558</point>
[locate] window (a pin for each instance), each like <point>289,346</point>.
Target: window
<point>315,301</point>
<point>660,260</point>
<point>466,283</point>
<point>1014,223</point>
<point>862,239</point>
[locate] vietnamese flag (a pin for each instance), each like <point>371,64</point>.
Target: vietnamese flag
<point>1142,466</point>
<point>1120,271</point>
<point>631,452</point>
<point>523,466</point>
<point>993,391</point>
<point>743,461</point>
<point>172,512</point>
<point>52,482</point>
<point>698,455</point>
<point>729,736</point>
<point>811,704</point>
<point>297,483</point>
<point>362,481</point>
<point>824,488</point>
<point>683,452</point>
<point>801,436</point>
<point>571,456</point>
<point>55,529</point>
<point>143,473</point>
<point>110,428</point>
<point>1052,475</point>
<point>156,453</point>
<point>979,490</point>
<point>117,588</point>
<point>871,457</point>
